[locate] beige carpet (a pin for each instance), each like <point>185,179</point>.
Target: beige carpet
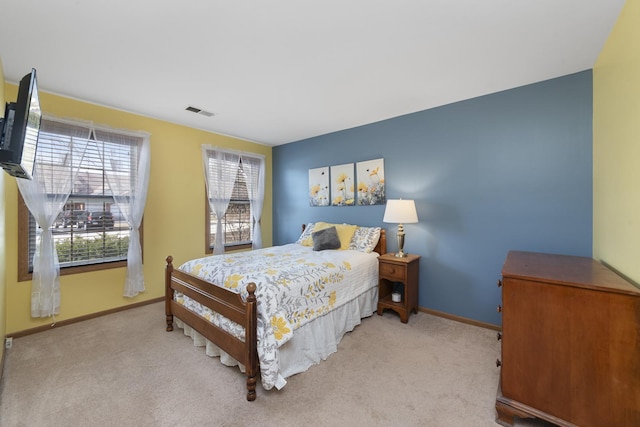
<point>125,370</point>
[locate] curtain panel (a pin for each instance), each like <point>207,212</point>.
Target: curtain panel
<point>121,155</point>
<point>45,197</point>
<point>220,170</point>
<point>253,169</point>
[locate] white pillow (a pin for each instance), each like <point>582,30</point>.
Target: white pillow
<point>306,234</point>
<point>365,239</point>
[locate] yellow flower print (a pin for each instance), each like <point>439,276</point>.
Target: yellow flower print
<point>196,269</point>
<point>341,178</point>
<point>347,265</point>
<point>279,326</point>
<point>349,202</point>
<point>363,187</point>
<point>315,190</point>
<point>332,299</point>
<point>337,200</point>
<point>271,272</point>
<point>375,171</point>
<point>328,264</point>
<point>231,282</point>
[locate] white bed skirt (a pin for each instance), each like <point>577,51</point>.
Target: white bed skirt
<point>311,343</point>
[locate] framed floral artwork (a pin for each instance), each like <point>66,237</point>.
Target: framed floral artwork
<point>342,185</point>
<point>370,176</point>
<point>319,187</point>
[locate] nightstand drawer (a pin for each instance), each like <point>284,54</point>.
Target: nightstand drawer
<point>392,272</point>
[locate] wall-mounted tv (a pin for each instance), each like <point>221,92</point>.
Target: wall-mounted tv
<point>19,130</point>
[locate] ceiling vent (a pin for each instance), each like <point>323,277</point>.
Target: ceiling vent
<point>199,111</point>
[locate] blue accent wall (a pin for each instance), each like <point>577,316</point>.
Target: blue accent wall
<point>510,170</point>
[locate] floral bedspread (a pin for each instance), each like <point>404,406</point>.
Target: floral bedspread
<point>294,286</point>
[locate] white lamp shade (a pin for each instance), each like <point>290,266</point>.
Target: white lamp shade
<point>400,212</point>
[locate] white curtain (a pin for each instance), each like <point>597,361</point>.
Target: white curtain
<point>126,163</point>
<point>220,171</point>
<point>253,168</point>
<point>45,197</point>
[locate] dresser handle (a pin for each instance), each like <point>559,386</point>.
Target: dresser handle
<point>499,283</point>
<point>499,308</point>
<point>499,336</point>
<point>498,363</point>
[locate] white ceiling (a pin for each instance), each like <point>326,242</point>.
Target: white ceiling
<point>279,71</point>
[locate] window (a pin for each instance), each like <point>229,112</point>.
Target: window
<point>91,232</point>
<point>237,222</point>
<point>235,196</point>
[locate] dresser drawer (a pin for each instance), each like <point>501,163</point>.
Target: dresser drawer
<point>392,272</point>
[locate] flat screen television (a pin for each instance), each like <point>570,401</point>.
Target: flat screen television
<point>20,129</point>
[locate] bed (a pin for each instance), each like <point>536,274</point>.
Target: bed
<point>277,311</point>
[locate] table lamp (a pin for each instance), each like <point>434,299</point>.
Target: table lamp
<point>400,212</point>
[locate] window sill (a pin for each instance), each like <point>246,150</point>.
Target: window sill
<point>232,248</point>
<point>80,269</point>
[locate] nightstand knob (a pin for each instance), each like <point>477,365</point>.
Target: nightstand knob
<point>499,308</point>
<point>499,283</point>
<point>498,363</point>
<point>499,336</point>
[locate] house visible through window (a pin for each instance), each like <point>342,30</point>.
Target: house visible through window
<point>237,222</point>
<point>90,232</point>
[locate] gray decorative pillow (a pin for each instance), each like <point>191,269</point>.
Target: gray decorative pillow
<point>325,239</point>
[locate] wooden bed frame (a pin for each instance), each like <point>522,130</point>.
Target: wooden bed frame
<point>230,305</point>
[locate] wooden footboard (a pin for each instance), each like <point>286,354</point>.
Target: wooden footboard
<point>228,304</point>
<point>224,302</point>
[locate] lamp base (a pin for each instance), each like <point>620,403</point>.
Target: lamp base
<point>400,236</point>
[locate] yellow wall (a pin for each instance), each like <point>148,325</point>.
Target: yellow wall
<point>174,220</point>
<point>3,275</point>
<point>616,147</point>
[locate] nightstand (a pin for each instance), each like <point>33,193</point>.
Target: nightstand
<point>403,270</point>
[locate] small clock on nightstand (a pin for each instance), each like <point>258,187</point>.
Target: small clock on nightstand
<point>403,270</point>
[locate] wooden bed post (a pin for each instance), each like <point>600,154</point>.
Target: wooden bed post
<point>382,242</point>
<point>251,340</point>
<point>168,293</point>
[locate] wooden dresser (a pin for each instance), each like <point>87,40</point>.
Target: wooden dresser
<point>570,342</point>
